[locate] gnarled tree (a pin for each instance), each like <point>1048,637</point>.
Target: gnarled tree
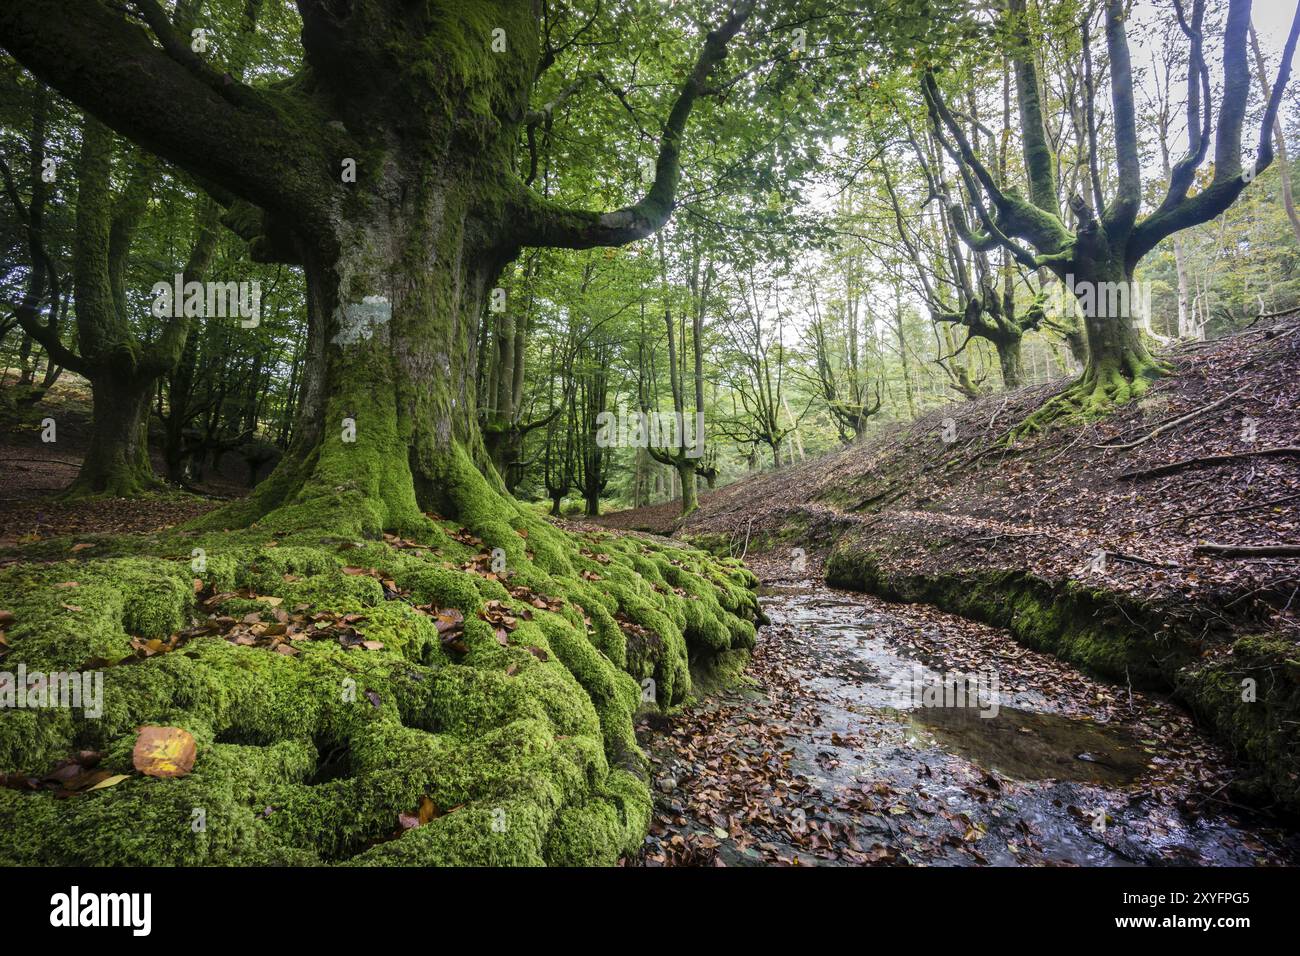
<point>1097,252</point>
<point>428,102</point>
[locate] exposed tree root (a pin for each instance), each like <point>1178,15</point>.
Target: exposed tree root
<point>1103,387</point>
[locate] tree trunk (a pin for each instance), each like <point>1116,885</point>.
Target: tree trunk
<point>117,461</point>
<point>686,474</point>
<point>386,419</point>
<point>1008,350</point>
<point>1283,161</point>
<point>1119,367</point>
<point>26,367</point>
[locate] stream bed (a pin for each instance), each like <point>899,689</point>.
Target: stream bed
<point>877,733</point>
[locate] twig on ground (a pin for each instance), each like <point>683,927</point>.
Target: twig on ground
<point>42,461</point>
<point>1249,550</point>
<point>1284,451</point>
<point>1176,422</point>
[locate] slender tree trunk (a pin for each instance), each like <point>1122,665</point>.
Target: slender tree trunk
<point>1279,138</point>
<point>902,352</point>
<point>25,364</point>
<point>685,468</point>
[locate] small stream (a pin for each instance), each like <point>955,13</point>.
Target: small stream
<point>928,756</point>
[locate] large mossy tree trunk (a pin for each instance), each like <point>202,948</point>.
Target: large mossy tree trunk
<point>387,426</point>
<point>399,271</point>
<point>1119,367</point>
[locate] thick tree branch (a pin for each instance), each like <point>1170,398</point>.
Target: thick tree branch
<point>548,224</point>
<point>110,67</point>
<point>1039,161</point>
<point>1221,194</point>
<point>1199,107</point>
<point>1119,218</point>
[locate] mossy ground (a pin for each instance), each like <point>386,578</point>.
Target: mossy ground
<point>526,751</point>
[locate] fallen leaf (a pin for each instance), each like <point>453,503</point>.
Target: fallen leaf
<point>107,782</point>
<point>164,752</point>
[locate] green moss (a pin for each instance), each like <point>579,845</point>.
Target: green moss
<point>442,588</point>
<point>1251,697</point>
<point>69,613</point>
<point>1107,633</point>
<point>526,750</point>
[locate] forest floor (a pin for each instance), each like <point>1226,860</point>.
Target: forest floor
<point>36,472</point>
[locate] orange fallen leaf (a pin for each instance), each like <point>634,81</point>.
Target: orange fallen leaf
<point>164,752</point>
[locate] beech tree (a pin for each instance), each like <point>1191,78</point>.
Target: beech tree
<point>122,367</point>
<point>1102,239</point>
<point>426,103</point>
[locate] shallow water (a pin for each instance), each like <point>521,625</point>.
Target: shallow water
<point>1023,768</point>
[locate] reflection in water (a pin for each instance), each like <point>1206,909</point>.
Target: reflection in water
<point>1032,775</point>
<point>1025,745</point>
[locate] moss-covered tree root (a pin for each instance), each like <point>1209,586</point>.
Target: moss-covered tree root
<point>1104,386</point>
<point>526,750</point>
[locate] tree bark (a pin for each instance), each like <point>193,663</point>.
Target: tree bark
<point>117,460</point>
<point>398,262</point>
<point>1009,361</point>
<point>1279,137</point>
